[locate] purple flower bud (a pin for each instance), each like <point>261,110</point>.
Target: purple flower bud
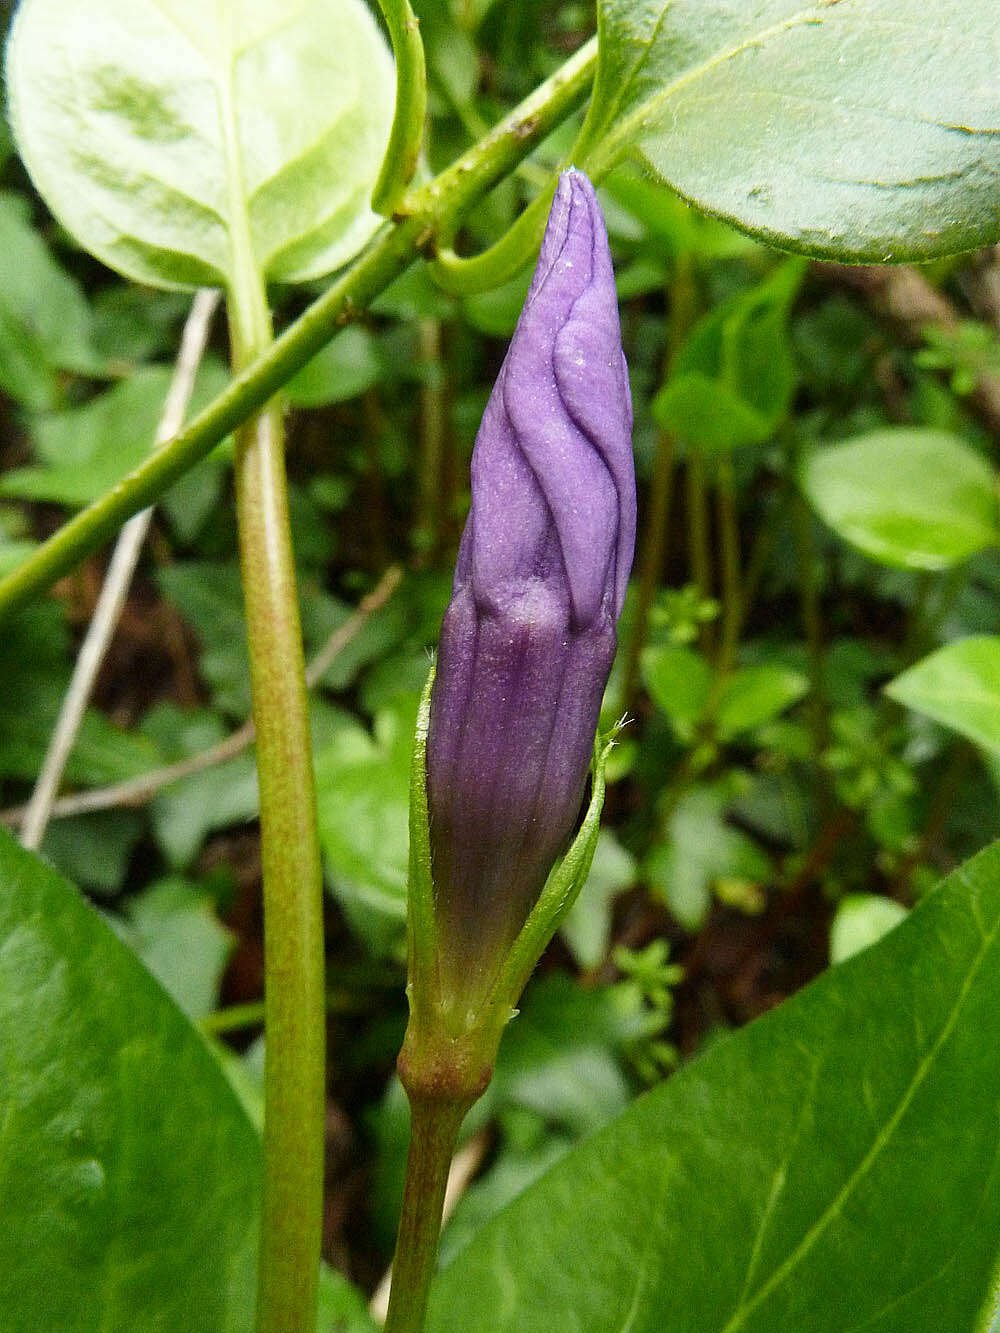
<point>529,636</point>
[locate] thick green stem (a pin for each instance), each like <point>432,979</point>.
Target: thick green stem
<point>294,1096</point>
<point>393,247</point>
<point>294,1001</point>
<point>434,1126</point>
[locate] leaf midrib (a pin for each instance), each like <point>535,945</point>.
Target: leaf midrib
<point>880,1143</point>
<point>624,128</point>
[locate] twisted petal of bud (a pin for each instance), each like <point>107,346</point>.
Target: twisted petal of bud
<point>529,636</point>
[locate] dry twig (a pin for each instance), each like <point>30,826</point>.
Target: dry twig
<point>116,584</point>
<point>138,791</point>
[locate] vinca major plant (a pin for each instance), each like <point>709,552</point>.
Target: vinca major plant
<point>526,647</point>
<point>342,178</point>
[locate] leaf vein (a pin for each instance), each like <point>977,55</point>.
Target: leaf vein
<point>880,1143</point>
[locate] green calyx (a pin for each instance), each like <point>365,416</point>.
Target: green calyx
<point>450,1046</point>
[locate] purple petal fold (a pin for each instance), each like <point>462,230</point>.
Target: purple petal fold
<point>529,637</point>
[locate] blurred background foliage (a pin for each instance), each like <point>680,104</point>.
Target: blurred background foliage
<point>818,521</point>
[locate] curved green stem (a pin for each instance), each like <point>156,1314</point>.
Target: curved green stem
<point>407,133</point>
<point>502,261</point>
<point>393,247</point>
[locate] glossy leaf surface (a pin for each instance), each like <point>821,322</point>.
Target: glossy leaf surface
<point>853,128</point>
<point>714,1203</point>
<point>177,139</point>
<point>130,1179</point>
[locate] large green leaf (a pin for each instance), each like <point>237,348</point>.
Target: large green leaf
<point>919,499</point>
<point>959,686</point>
<point>854,128</point>
<point>129,1172</point>
<point>174,136</point>
<point>835,1166</point>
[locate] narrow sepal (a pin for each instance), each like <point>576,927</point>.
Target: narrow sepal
<point>562,888</point>
<point>421,928</point>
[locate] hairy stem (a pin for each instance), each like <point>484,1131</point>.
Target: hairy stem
<point>294,1098</point>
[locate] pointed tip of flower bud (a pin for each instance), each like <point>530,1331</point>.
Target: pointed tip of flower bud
<point>553,480</point>
<point>529,637</point>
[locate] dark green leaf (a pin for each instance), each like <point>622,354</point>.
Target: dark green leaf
<point>789,1180</point>
<point>35,671</point>
<point>86,450</point>
<point>853,128</point>
<point>130,1179</point>
<point>679,681</point>
<point>346,367</point>
<point>176,933</point>
<point>362,795</point>
<point>699,850</point>
<point>94,850</point>
<point>224,794</point>
<point>755,694</point>
<point>208,596</point>
<point>341,1306</point>
<point>733,380</point>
